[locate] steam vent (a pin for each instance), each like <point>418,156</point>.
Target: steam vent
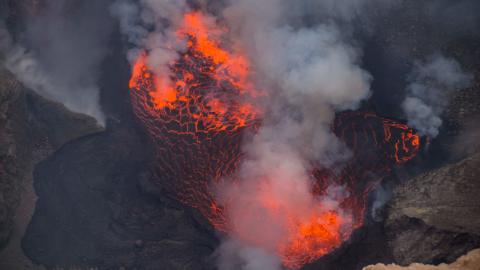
<point>239,135</point>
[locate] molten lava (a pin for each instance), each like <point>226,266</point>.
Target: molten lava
<point>197,114</point>
<point>208,87</point>
<point>380,141</point>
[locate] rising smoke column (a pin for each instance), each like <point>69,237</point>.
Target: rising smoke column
<point>431,85</point>
<point>310,73</point>
<point>271,205</point>
<point>150,25</point>
<point>60,52</point>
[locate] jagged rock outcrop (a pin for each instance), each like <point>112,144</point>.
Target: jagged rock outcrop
<point>435,217</point>
<point>471,261</point>
<point>446,198</point>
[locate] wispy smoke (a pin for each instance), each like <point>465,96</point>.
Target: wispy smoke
<point>60,54</point>
<point>431,84</point>
<point>148,25</point>
<point>310,72</point>
<point>233,255</point>
<point>382,195</point>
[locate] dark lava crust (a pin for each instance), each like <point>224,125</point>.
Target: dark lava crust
<point>93,211</point>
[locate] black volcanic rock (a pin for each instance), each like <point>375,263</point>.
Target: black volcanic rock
<point>94,210</point>
<point>435,217</point>
<point>97,208</point>
<point>367,245</point>
<point>30,128</point>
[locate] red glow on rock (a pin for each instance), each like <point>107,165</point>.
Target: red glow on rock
<point>196,115</point>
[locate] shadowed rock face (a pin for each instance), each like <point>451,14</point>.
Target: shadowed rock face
<point>30,128</point>
<point>94,209</point>
<point>435,216</point>
<point>446,198</point>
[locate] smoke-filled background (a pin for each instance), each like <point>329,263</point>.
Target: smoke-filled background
<point>306,85</point>
<point>307,57</point>
<point>428,92</point>
<point>60,52</point>
<point>62,45</point>
<point>313,59</point>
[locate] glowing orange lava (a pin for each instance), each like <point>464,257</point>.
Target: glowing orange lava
<point>196,115</point>
<point>315,238</point>
<point>187,90</point>
<point>398,142</point>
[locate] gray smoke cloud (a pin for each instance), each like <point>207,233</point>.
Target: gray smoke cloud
<point>60,53</point>
<point>310,71</point>
<point>148,26</point>
<point>431,84</point>
<point>310,67</point>
<point>233,255</point>
<point>382,196</point>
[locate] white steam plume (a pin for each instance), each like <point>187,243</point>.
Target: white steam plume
<point>310,73</point>
<point>148,26</point>
<point>431,84</point>
<point>234,256</point>
<point>62,54</point>
<point>77,97</point>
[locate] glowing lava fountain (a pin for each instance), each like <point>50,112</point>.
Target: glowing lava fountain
<point>197,114</point>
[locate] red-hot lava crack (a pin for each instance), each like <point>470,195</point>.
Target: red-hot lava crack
<point>197,114</point>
